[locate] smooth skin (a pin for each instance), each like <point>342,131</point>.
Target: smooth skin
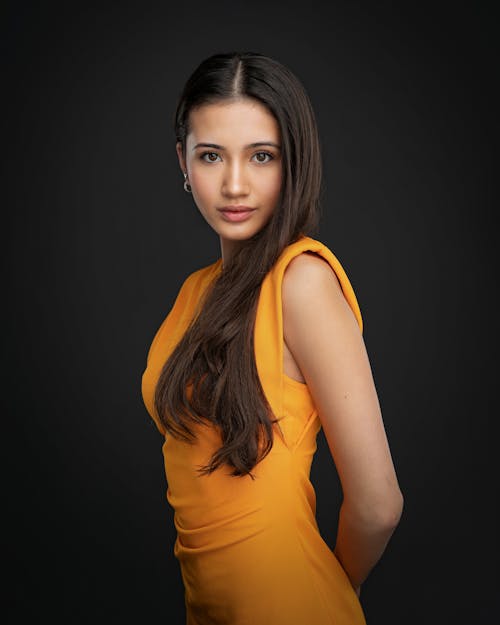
<point>233,173</point>
<point>323,344</point>
<point>327,346</point>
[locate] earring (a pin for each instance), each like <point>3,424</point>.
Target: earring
<point>187,186</point>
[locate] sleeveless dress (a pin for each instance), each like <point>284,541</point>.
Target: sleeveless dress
<point>250,551</point>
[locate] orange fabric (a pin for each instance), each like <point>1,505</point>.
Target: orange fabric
<point>251,552</point>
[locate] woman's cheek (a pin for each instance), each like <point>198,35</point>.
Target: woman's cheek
<point>203,182</point>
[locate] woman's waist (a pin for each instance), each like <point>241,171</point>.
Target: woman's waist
<point>198,534</point>
<point>210,525</point>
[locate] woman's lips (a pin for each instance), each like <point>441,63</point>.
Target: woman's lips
<point>236,214</point>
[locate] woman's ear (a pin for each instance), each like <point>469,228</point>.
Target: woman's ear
<point>180,156</point>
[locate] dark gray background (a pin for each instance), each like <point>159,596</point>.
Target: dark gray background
<point>99,235</point>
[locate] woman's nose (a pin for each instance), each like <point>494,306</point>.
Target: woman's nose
<point>235,180</point>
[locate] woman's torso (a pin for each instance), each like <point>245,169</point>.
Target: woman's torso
<point>250,550</point>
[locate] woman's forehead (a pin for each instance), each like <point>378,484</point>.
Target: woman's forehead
<point>233,122</point>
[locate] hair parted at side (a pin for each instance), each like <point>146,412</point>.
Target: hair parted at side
<point>215,358</point>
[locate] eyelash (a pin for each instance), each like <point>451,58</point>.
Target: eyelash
<point>271,157</point>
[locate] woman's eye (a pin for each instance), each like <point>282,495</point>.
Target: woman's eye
<point>208,154</point>
<point>264,154</point>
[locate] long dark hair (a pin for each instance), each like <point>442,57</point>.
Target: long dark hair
<point>211,375</point>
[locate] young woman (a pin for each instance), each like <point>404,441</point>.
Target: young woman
<point>260,350</point>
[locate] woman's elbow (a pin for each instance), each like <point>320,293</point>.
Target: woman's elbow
<point>390,513</point>
<point>382,513</point>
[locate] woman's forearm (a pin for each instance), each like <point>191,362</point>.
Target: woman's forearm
<point>360,543</point>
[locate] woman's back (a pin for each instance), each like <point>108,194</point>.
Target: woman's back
<point>250,550</point>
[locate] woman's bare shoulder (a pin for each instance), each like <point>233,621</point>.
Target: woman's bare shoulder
<point>308,270</point>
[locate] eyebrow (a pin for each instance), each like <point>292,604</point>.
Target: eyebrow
<point>246,147</point>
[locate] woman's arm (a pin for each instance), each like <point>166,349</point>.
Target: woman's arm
<point>324,337</point>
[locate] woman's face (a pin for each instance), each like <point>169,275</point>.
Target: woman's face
<point>233,159</point>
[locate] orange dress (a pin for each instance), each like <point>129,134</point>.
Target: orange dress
<point>250,551</point>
